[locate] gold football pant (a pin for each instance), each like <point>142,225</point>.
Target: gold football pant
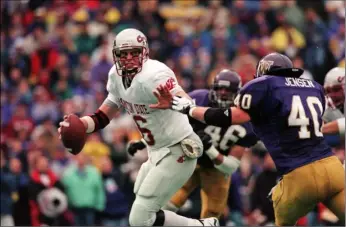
<point>302,189</point>
<point>214,191</point>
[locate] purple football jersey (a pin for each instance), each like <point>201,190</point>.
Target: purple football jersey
<point>286,114</point>
<point>223,138</point>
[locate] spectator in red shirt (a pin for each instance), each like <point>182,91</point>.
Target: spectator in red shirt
<point>20,122</point>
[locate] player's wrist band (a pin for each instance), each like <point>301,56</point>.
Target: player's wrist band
<point>191,110</point>
<point>97,121</point>
<point>212,152</point>
<point>90,124</point>
<point>341,125</point>
<point>229,165</point>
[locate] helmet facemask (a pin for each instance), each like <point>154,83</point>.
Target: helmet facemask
<point>129,61</point>
<point>222,96</point>
<point>336,95</point>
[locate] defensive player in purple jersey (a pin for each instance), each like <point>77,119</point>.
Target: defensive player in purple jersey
<point>286,113</point>
<point>223,148</point>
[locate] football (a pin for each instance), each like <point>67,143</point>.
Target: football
<point>73,134</point>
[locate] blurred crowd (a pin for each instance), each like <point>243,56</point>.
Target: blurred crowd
<point>55,58</point>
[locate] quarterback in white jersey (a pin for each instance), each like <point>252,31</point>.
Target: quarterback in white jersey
<point>159,128</point>
<point>173,147</point>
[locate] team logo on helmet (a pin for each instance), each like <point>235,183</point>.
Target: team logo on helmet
<point>140,38</point>
<point>263,67</point>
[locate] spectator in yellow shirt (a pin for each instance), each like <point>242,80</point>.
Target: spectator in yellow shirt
<point>96,149</point>
<point>286,38</point>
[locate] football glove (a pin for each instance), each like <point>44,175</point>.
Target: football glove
<point>134,146</point>
<point>182,104</point>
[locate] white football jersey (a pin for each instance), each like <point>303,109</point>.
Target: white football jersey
<point>159,128</point>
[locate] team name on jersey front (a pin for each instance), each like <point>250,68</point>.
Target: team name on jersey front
<point>159,128</point>
<point>132,108</point>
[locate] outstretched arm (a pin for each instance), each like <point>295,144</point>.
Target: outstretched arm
<point>334,127</point>
<point>101,117</point>
<point>210,116</point>
<point>219,117</point>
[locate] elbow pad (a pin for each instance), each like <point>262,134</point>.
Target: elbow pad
<point>341,126</point>
<point>218,117</point>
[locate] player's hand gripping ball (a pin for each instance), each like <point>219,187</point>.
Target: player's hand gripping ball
<point>73,133</point>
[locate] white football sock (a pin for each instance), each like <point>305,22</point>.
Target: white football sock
<point>173,219</point>
<point>170,206</point>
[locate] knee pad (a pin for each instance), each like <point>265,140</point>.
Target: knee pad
<point>141,216</point>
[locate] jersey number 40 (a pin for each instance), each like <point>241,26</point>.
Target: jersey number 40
<point>298,117</point>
